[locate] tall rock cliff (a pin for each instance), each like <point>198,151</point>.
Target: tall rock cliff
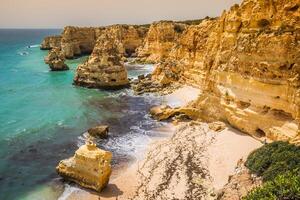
<point>161,38</point>
<point>247,63</point>
<point>105,68</point>
<point>78,41</point>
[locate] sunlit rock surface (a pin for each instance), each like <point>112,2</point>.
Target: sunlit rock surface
<point>51,42</point>
<point>90,167</point>
<point>56,60</point>
<point>247,64</point>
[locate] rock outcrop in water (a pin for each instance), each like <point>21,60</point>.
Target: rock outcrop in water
<point>247,64</point>
<point>99,131</point>
<point>56,60</point>
<point>90,167</point>
<point>104,68</point>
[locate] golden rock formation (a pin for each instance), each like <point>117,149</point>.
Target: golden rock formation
<point>247,64</point>
<point>90,167</point>
<point>78,41</point>
<point>160,39</point>
<point>104,68</point>
<point>50,42</point>
<point>56,60</point>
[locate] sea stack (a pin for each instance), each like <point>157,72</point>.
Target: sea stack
<point>90,167</point>
<point>104,68</point>
<point>56,60</point>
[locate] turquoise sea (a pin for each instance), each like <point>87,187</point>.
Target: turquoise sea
<point>43,117</point>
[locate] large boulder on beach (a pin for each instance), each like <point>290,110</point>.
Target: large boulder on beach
<point>90,167</point>
<point>56,60</point>
<point>99,131</point>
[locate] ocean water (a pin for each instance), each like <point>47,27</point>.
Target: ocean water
<point>43,117</point>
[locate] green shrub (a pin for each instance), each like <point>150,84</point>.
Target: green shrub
<point>283,187</point>
<point>274,159</point>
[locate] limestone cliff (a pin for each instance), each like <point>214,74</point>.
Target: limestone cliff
<point>161,38</point>
<point>247,64</point>
<point>90,167</point>
<point>77,41</point>
<point>51,42</point>
<point>252,68</point>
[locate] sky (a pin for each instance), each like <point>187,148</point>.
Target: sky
<point>60,13</point>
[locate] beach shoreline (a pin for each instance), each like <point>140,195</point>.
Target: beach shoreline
<point>220,153</point>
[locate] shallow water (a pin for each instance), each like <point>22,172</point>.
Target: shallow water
<point>43,117</point>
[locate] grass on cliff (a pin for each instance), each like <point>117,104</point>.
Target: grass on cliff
<point>278,164</point>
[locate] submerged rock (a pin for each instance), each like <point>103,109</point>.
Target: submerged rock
<point>56,60</point>
<point>90,167</point>
<point>99,131</point>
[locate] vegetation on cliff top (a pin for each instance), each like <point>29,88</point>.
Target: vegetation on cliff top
<point>279,165</point>
<point>274,159</point>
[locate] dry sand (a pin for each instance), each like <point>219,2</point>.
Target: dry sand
<point>228,148</point>
<point>214,155</point>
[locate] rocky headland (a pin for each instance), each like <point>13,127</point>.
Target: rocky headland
<point>246,65</point>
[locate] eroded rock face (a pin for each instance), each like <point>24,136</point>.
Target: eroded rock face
<point>56,60</point>
<point>104,68</point>
<point>247,64</point>
<point>77,41</point>
<point>161,38</point>
<point>127,37</point>
<point>253,63</point>
<point>51,42</point>
<point>90,167</point>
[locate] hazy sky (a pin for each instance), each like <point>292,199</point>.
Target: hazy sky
<point>59,13</point>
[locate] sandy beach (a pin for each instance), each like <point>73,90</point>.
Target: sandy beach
<point>196,159</point>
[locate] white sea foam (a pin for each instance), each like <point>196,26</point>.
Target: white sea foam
<point>34,46</point>
<point>68,191</point>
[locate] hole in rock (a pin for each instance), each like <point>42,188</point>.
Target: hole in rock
<point>294,8</point>
<point>292,65</point>
<point>265,109</point>
<point>281,114</point>
<point>243,105</point>
<point>260,133</point>
<point>113,80</point>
